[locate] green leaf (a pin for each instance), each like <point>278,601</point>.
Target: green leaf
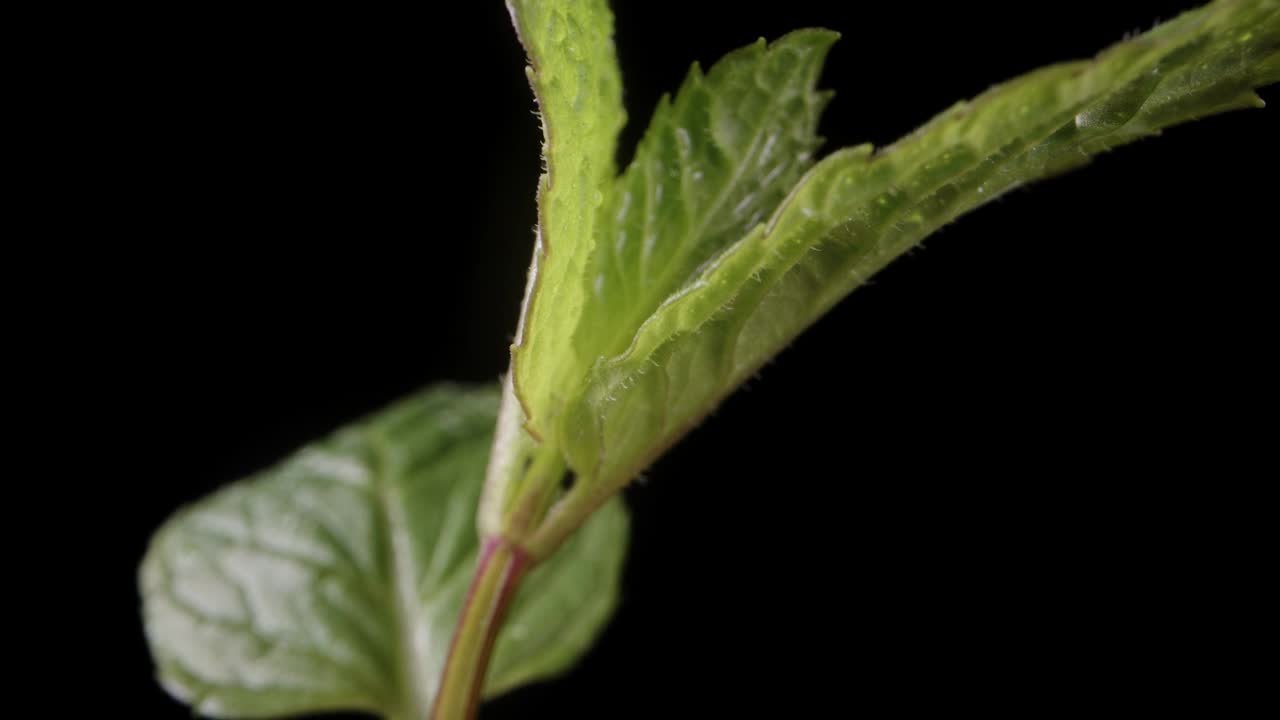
<point>333,581</point>
<point>573,70</point>
<point>711,166</point>
<point>738,301</point>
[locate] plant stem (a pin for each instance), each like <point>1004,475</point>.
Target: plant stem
<point>502,566</point>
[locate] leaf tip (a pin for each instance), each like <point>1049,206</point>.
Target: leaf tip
<point>822,38</point>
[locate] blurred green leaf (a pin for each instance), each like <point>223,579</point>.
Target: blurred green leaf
<point>333,580</point>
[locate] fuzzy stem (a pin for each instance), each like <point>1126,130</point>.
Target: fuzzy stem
<point>497,576</point>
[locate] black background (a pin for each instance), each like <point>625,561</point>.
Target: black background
<point>1014,472</point>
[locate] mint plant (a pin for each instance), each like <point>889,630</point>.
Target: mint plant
<point>353,575</point>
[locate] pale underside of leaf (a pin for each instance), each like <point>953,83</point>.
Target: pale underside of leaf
<point>334,580</point>
<point>858,209</point>
<point>573,71</point>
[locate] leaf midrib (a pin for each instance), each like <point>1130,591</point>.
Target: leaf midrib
<point>406,616</point>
